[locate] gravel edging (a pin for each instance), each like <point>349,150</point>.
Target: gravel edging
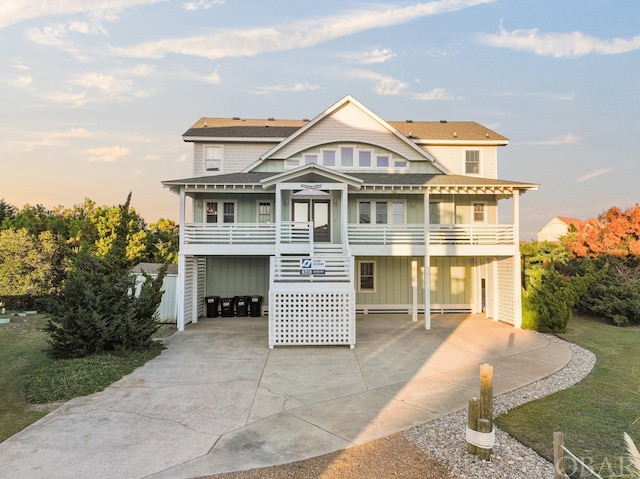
<point>443,439</point>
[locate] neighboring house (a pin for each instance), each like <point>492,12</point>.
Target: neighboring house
<point>167,310</point>
<point>557,227</point>
<point>379,208</point>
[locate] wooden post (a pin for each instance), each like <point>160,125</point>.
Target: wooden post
<point>484,425</point>
<point>472,421</point>
<point>486,393</point>
<point>558,456</point>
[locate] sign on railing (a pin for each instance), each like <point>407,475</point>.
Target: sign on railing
<point>309,269</point>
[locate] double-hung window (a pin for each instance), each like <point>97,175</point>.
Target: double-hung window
<point>213,158</point>
<point>220,212</point>
<point>472,162</point>
<point>366,276</point>
<point>265,212</point>
<point>479,213</point>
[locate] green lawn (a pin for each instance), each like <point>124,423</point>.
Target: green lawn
<point>30,376</point>
<point>596,412</point>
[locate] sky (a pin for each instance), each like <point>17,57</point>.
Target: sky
<point>96,94</point>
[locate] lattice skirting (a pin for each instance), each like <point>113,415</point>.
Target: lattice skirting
<point>312,318</point>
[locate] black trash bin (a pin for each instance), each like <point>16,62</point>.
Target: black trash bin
<point>255,306</point>
<point>242,305</point>
<point>213,306</point>
<point>227,307</point>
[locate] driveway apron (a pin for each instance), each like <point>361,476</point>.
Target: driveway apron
<point>217,399</point>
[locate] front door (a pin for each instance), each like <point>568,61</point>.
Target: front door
<point>318,212</point>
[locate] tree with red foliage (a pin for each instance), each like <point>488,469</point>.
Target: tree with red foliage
<point>615,233</point>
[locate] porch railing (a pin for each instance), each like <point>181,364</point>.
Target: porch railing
<point>233,233</point>
<point>386,234</point>
<point>287,269</point>
<point>359,234</point>
<point>471,234</point>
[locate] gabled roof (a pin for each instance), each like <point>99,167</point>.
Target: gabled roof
<point>328,112</point>
<point>322,171</point>
<point>267,128</point>
<point>570,221</point>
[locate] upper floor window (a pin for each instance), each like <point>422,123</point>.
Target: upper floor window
<point>213,158</point>
<point>348,157</point>
<point>381,212</point>
<point>220,212</point>
<point>364,159</point>
<point>434,212</point>
<point>472,162</point>
<point>265,210</point>
<point>479,213</point>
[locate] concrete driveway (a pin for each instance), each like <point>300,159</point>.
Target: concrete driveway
<point>217,399</point>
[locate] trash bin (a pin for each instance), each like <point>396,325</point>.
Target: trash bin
<point>213,306</point>
<point>227,307</point>
<point>255,306</point>
<point>242,305</point>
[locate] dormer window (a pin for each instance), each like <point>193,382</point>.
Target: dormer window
<point>213,158</point>
<point>472,162</point>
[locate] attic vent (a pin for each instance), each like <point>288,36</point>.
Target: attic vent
<point>443,121</point>
<point>271,119</point>
<point>409,121</point>
<point>236,117</point>
<point>487,135</point>
<point>306,119</point>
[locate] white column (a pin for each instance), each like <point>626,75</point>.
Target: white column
<point>414,291</point>
<point>180,320</point>
<point>517,277</point>
<point>344,211</point>
<point>278,218</point>
<point>427,265</point>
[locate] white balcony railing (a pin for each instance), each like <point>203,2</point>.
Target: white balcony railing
<point>471,234</point>
<point>228,234</point>
<point>287,269</point>
<point>359,234</point>
<point>386,234</point>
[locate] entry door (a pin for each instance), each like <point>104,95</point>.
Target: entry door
<point>318,212</point>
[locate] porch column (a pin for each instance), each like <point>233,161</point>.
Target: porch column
<point>517,277</point>
<point>427,265</point>
<point>344,212</point>
<point>180,280</point>
<point>180,321</point>
<point>278,218</point>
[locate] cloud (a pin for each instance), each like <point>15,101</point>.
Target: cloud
<point>305,33</point>
<point>559,45</point>
<point>435,94</point>
<point>376,55</point>
<point>23,81</point>
<point>593,174</point>
<point>108,84</point>
<point>12,12</point>
<point>295,87</point>
<point>49,35</point>
<point>201,4</point>
<point>107,154</point>
<point>567,139</point>
<point>31,140</point>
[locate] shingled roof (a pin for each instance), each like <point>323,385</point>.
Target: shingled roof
<point>273,128</point>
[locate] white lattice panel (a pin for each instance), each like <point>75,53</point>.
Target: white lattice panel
<point>312,318</point>
<point>505,290</point>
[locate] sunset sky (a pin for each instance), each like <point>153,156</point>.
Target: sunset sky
<point>97,93</point>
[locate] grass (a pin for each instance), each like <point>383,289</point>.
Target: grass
<point>30,376</point>
<point>596,412</point>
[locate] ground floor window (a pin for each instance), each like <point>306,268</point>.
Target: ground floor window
<point>366,276</point>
